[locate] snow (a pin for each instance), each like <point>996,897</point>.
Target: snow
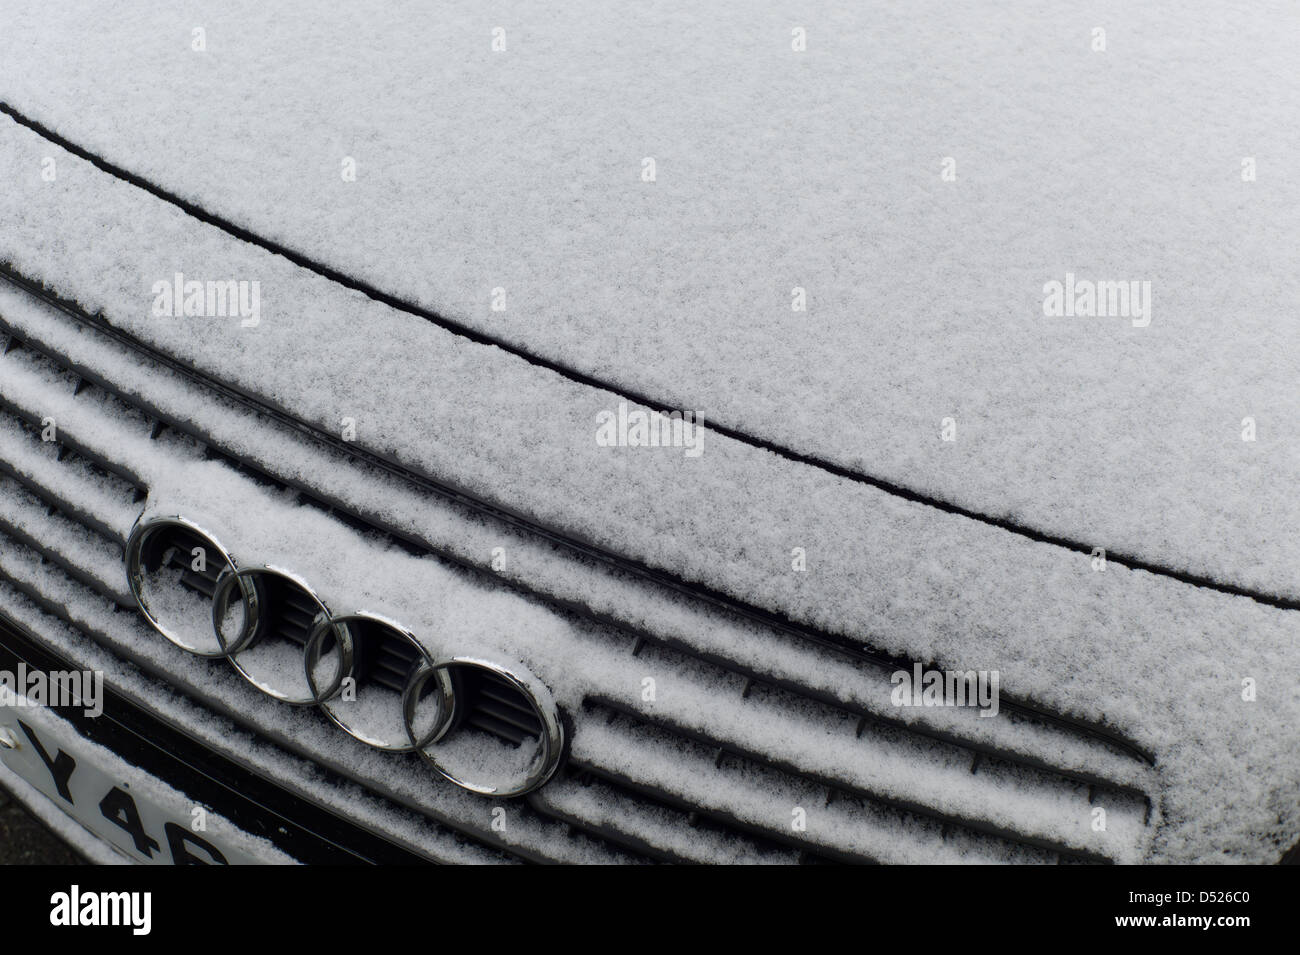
<point>661,828</point>
<point>373,715</point>
<point>1038,651</point>
<point>533,564</point>
<point>483,761</point>
<point>73,486</point>
<point>20,511</point>
<point>520,170</point>
<point>213,703</point>
<point>925,303</point>
<point>276,667</point>
<point>183,613</point>
<point>577,661</point>
<point>763,799</point>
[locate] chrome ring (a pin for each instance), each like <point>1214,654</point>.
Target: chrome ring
<point>445,706</point>
<point>357,720</point>
<point>252,651</point>
<point>551,743</point>
<point>141,535</point>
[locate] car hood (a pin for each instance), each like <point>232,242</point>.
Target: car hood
<point>914,177</point>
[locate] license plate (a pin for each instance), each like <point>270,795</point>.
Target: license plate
<point>142,817</point>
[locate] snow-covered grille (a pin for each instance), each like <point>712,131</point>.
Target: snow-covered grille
<point>639,784</point>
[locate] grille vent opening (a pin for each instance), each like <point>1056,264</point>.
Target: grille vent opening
<point>287,611</point>
<point>383,658</point>
<point>487,702</point>
<point>174,547</point>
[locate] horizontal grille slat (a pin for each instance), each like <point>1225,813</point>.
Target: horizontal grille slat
<point>726,820</point>
<point>22,460</point>
<point>659,830</point>
<point>508,716</point>
<point>33,420</point>
<point>723,748</point>
<point>393,667</point>
<point>100,558</point>
<point>509,701</point>
<point>295,618</point>
<point>499,728</point>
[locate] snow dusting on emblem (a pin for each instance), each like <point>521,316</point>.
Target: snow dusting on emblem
<point>489,728</point>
